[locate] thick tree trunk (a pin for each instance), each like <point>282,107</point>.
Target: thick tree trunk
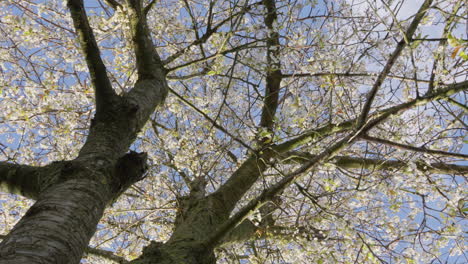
<point>58,227</point>
<point>198,217</point>
<point>73,196</point>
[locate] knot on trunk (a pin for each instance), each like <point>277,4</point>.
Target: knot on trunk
<point>129,169</point>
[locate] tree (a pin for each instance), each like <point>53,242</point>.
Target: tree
<point>233,131</point>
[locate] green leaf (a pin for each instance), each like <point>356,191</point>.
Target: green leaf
<point>452,41</point>
<point>463,55</point>
<point>212,73</point>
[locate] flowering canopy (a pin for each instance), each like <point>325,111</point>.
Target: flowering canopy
<point>330,131</point>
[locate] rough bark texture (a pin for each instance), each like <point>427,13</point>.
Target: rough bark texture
<point>19,179</point>
<point>58,226</point>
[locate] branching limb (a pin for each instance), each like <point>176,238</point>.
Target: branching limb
<point>248,230</point>
<point>442,43</point>
<point>352,74</point>
<point>391,61</point>
<point>212,121</point>
<point>20,179</point>
<point>249,45</point>
<point>266,227</point>
<point>247,174</point>
<point>435,95</point>
<point>151,88</point>
<point>269,193</point>
<point>102,86</point>
<point>106,254</point>
<point>251,169</point>
<point>208,33</point>
<point>462,106</point>
<point>412,148</point>
<point>149,64</point>
<point>326,154</point>
<point>347,162</point>
<point>273,71</point>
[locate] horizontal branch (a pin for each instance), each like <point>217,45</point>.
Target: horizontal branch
<point>412,148</point>
<point>18,179</point>
<point>30,181</point>
<point>347,162</point>
<point>106,254</point>
<point>188,76</point>
<point>351,74</point>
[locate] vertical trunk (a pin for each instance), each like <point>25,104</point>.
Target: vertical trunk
<point>197,218</point>
<point>58,227</point>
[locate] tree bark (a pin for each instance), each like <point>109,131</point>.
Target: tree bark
<point>58,227</point>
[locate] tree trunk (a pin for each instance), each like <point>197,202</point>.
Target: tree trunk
<point>58,227</point>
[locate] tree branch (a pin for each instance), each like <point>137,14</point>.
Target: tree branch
<point>347,162</point>
<point>20,179</point>
<point>102,86</point>
<point>249,171</point>
<point>324,155</point>
<point>148,63</point>
<point>441,47</point>
<point>151,88</point>
<point>215,55</point>
<point>212,121</point>
<point>393,57</point>
<point>351,74</point>
<point>208,33</point>
<point>412,148</point>
<point>273,71</point>
<point>462,106</point>
<point>442,93</point>
<point>247,174</point>
<point>106,254</point>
